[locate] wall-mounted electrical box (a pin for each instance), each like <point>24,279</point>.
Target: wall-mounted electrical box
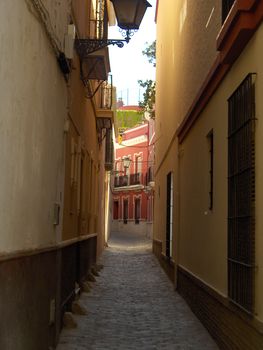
<point>69,41</point>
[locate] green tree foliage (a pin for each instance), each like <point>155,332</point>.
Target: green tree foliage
<point>148,85</point>
<point>150,53</point>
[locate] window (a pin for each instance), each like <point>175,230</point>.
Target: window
<point>73,173</point>
<point>210,138</point>
<point>115,210</point>
<point>226,7</point>
<point>241,194</point>
<point>137,204</point>
<point>169,215</point>
<point>117,172</point>
<point>125,211</point>
<point>138,164</point>
<point>136,177</point>
<point>97,20</point>
<point>118,164</point>
<point>109,150</point>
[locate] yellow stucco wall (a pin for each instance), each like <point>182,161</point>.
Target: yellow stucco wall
<point>201,234</point>
<point>203,240</point>
<point>182,60</point>
<point>178,81</point>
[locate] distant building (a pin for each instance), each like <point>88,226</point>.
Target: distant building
<point>119,103</point>
<point>130,197</point>
<point>130,108</point>
<point>129,116</point>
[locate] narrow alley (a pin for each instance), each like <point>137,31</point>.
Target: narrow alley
<point>133,305</point>
<point>121,120</point>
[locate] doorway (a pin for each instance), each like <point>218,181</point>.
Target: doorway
<point>125,211</point>
<point>169,215</point>
<point>137,204</point>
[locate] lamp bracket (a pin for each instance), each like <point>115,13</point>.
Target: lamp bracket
<point>87,46</point>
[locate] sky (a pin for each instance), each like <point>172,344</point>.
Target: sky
<point>128,64</point>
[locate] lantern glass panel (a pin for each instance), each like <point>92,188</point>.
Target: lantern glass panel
<point>130,13</point>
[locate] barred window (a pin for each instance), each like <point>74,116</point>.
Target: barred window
<point>210,138</point>
<point>241,194</point>
<point>169,215</point>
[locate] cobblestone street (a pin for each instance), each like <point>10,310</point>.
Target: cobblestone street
<point>133,305</point>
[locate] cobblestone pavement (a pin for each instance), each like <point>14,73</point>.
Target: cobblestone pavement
<point>133,306</point>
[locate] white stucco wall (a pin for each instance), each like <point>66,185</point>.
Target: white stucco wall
<point>32,112</point>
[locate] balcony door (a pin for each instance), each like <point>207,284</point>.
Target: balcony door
<point>115,210</point>
<point>125,211</point>
<point>137,210</point>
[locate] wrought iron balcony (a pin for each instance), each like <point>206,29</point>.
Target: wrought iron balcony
<point>121,181</point>
<point>104,105</point>
<point>94,65</point>
<point>104,97</point>
<point>135,179</point>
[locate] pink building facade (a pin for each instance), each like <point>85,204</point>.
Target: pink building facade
<point>132,198</point>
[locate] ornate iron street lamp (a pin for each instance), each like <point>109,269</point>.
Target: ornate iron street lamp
<point>129,14</point>
<point>126,162</point>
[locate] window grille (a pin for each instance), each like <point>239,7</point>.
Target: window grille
<point>137,204</point>
<point>226,7</point>
<point>210,137</point>
<point>241,194</point>
<point>98,20</point>
<point>169,215</point>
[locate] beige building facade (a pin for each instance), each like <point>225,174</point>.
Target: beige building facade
<point>208,162</point>
<point>56,116</point>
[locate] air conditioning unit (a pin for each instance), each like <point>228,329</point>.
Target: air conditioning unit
<point>69,41</point>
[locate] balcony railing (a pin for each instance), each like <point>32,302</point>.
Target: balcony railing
<point>128,180</point>
<point>98,20</point>
<point>94,59</point>
<point>104,105</point>
<point>120,181</point>
<point>135,179</point>
<point>104,100</point>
